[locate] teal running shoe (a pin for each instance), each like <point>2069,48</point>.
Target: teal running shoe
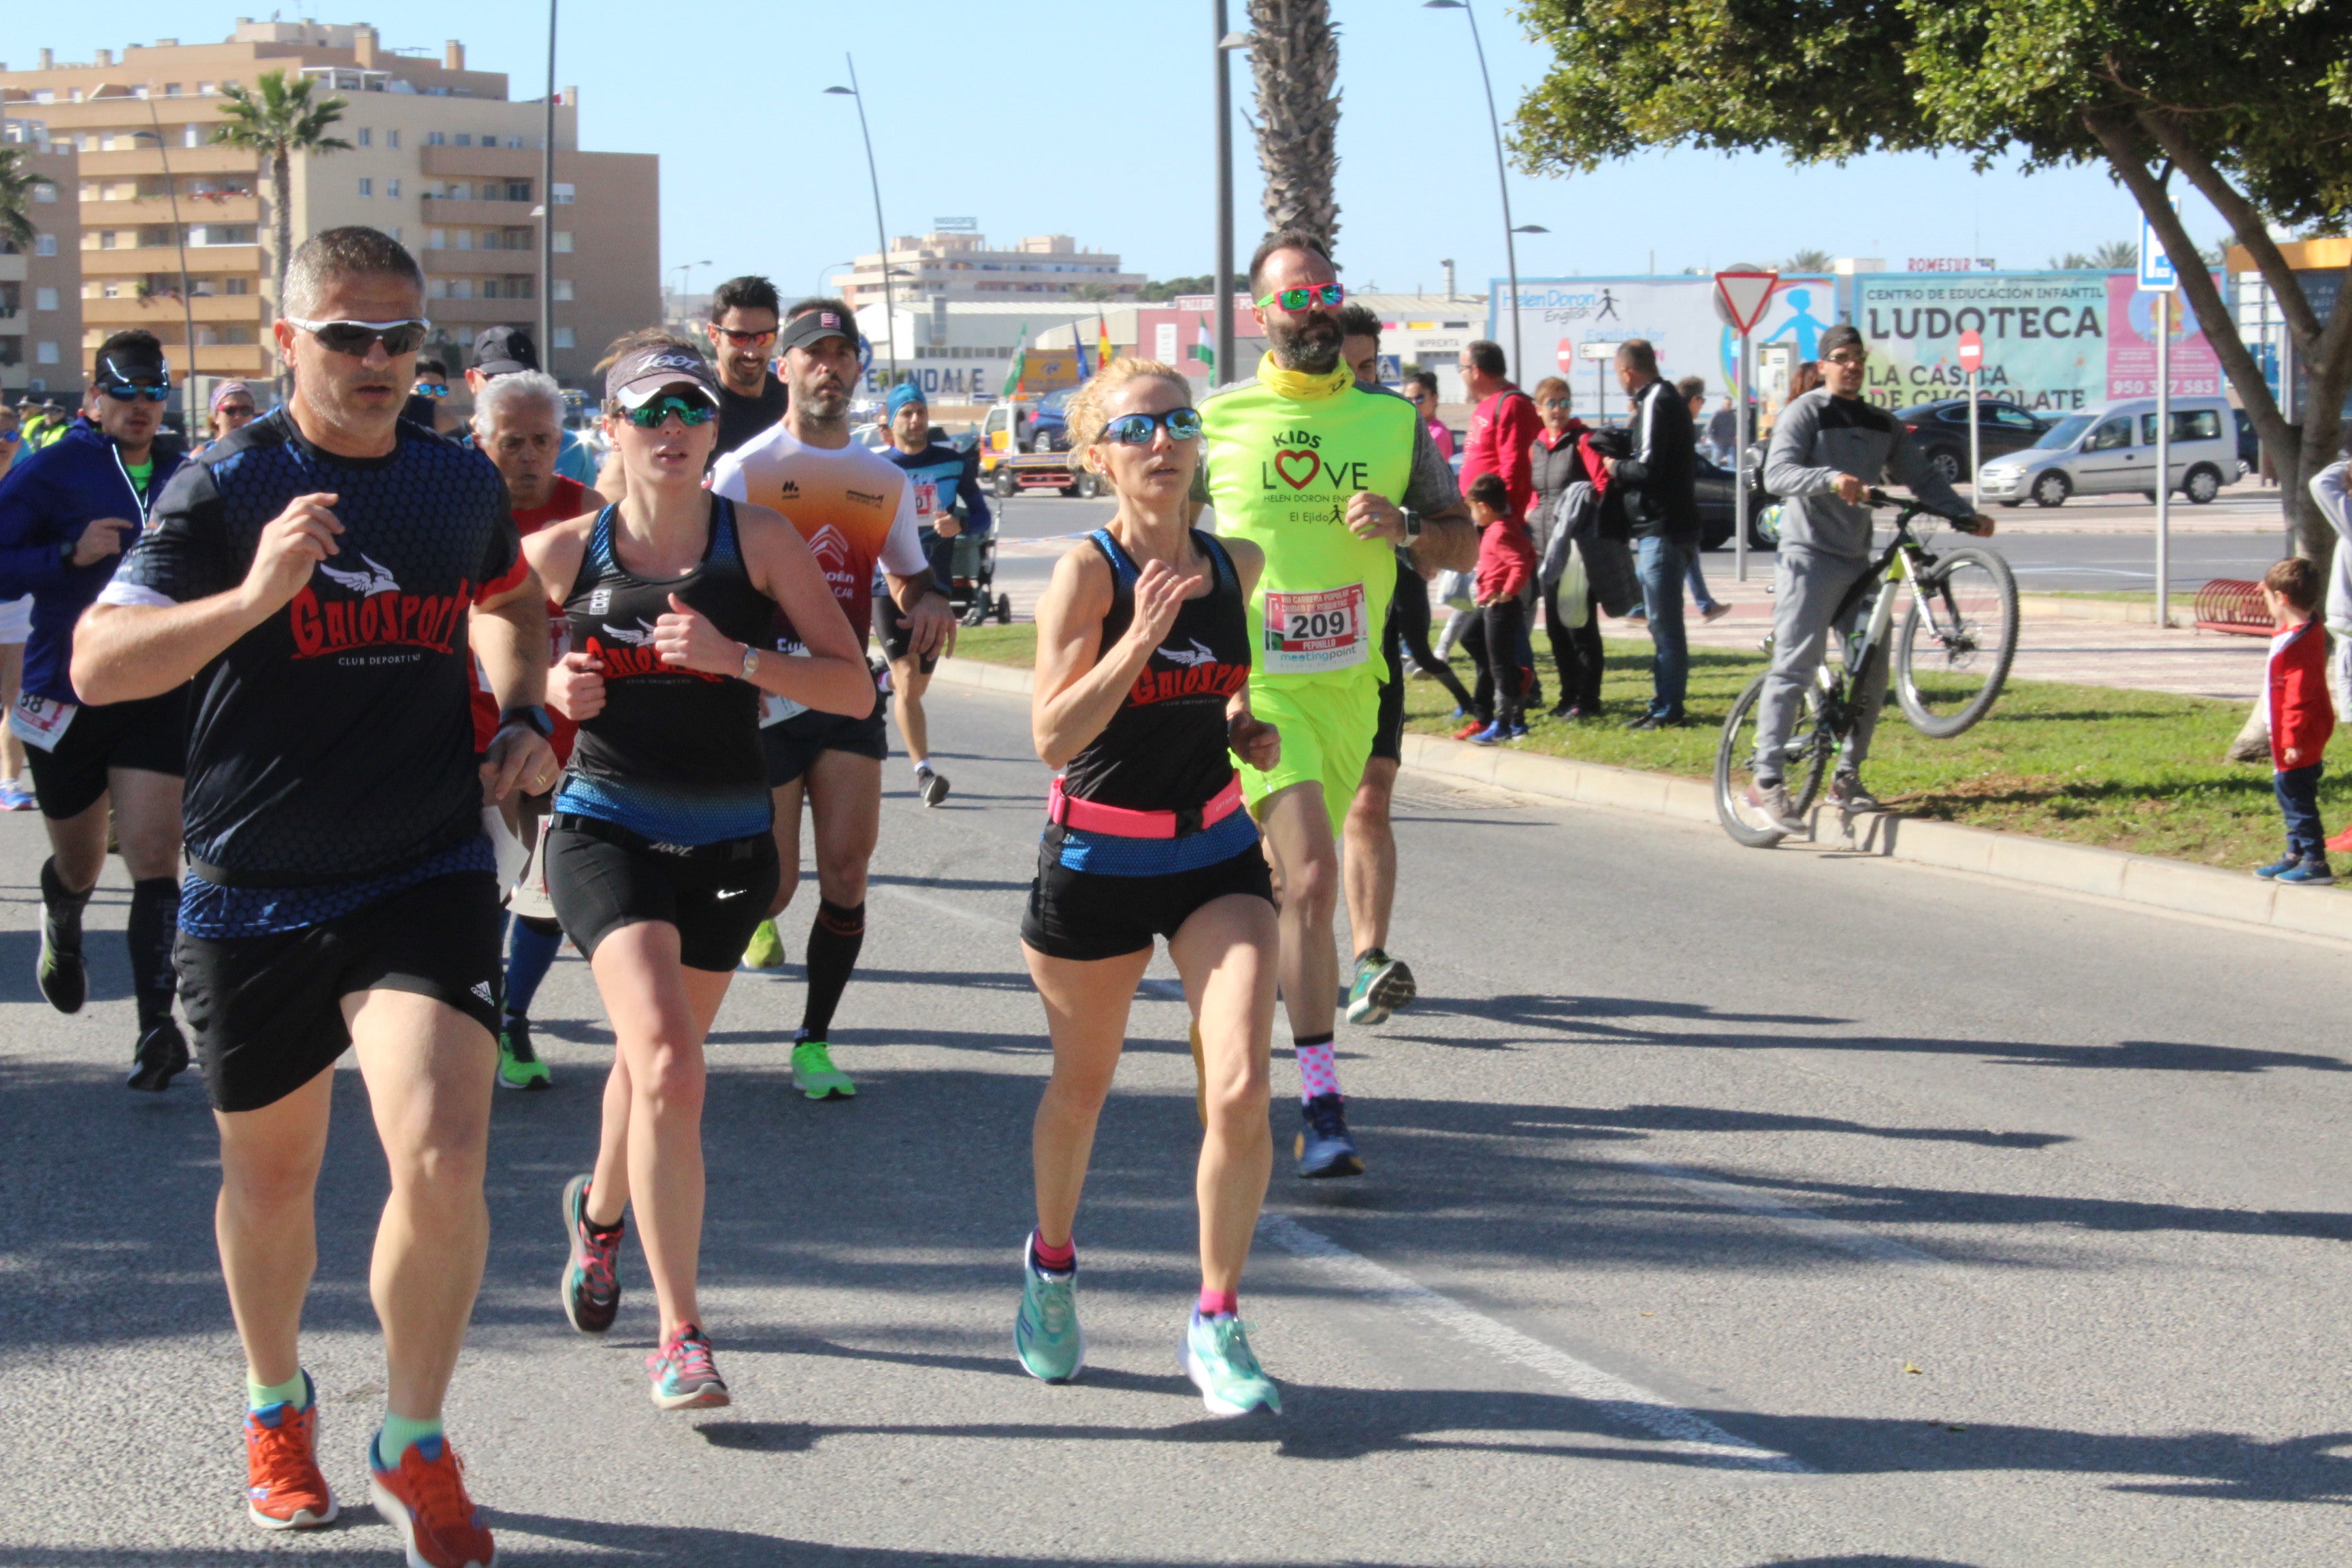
<point>814,1075</point>
<point>1383,985</point>
<point>1046,1332</point>
<point>684,1376</point>
<point>1218,1359</point>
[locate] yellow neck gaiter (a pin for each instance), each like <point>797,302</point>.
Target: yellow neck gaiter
<point>1298,385</point>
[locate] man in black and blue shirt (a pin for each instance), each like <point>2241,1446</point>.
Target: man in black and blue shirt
<point>325,575</point>
<point>950,505</point>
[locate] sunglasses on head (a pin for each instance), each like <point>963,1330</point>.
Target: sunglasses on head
<point>1135,430</point>
<point>355,338</point>
<point>690,412</point>
<point>131,391</point>
<point>1325,294</point>
<point>747,340</point>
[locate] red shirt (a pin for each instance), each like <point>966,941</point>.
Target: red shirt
<point>2301,714</point>
<point>1506,560</point>
<point>565,500</point>
<point>1502,430</point>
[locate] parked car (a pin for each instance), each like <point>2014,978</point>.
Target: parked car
<point>1717,505</point>
<point>2250,445</point>
<point>1941,429</point>
<point>2111,451</point>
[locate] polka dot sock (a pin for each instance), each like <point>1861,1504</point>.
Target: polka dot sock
<point>1318,1072</point>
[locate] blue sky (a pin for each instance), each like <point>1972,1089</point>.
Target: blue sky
<point>1004,111</point>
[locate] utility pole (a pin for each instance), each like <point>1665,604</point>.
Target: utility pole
<point>547,206</point>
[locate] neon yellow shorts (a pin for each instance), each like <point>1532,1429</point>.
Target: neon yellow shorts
<point>1326,737</point>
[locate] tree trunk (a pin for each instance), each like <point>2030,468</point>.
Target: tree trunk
<point>1295,66</point>
<point>281,200</point>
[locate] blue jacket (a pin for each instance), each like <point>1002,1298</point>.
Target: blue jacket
<point>48,497</point>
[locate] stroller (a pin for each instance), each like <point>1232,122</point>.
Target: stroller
<point>970,580</point>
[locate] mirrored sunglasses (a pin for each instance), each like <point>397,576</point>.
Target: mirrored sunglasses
<point>1136,429</point>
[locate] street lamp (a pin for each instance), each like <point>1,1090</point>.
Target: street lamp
<point>686,274</point>
<point>1510,245</point>
<point>881,235</point>
<point>1227,45</point>
<point>180,239</point>
<point>546,202</point>
<point>824,274</point>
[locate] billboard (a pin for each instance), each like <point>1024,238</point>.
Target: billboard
<point>2053,342</point>
<point>1559,316</point>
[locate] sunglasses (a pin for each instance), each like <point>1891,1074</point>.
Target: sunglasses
<point>355,338</point>
<point>131,391</point>
<point>1416,395</point>
<point>1325,294</point>
<point>235,411</point>
<point>430,388</point>
<point>1851,356</point>
<point>690,412</point>
<point>747,340</point>
<point>10,438</point>
<point>1135,430</point>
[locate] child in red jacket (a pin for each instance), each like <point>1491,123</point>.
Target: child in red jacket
<point>1506,567</point>
<point>2295,700</point>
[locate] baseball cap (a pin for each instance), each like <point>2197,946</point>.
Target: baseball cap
<point>229,389</point>
<point>1845,335</point>
<point>901,395</point>
<point>133,362</point>
<point>809,326</point>
<point>502,351</point>
<point>638,374</point>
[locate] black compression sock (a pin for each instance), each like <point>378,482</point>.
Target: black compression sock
<point>63,909</point>
<point>155,922</point>
<point>834,942</point>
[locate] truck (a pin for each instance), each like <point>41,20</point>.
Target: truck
<point>1019,438</point>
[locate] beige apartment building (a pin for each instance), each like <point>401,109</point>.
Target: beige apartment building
<point>958,264</point>
<point>441,159</point>
<point>40,284</point>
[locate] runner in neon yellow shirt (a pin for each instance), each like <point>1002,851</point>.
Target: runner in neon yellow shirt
<point>1326,478</point>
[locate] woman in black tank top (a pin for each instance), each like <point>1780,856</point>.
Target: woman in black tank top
<point>1142,700</point>
<point>661,859</point>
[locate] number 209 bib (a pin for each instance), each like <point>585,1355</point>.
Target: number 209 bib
<point>1310,633</point>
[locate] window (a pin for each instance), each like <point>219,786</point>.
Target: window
<point>563,241</point>
<point>563,337</point>
<point>437,288</point>
<point>2014,418</point>
<point>365,137</point>
<point>563,192</point>
<point>44,353</point>
<point>170,89</point>
<point>489,138</point>
<point>2187,425</point>
<point>391,139</point>
<point>367,186</point>
<point>89,189</point>
<point>236,285</point>
<point>392,188</point>
<point>461,288</point>
<point>563,289</point>
<point>437,239</point>
<point>465,239</point>
<point>205,89</point>
<point>2108,437</point>
<point>45,95</point>
<point>494,190</point>
<point>395,233</point>
<point>434,139</point>
<point>45,298</point>
<point>517,190</point>
<point>192,136</point>
<point>515,142</point>
<point>45,192</point>
<point>465,139</point>
<point>88,141</point>
<point>111,290</point>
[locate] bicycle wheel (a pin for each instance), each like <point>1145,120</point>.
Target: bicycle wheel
<point>1804,761</point>
<point>1949,663</point>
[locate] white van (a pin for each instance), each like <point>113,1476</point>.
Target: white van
<point>2111,449</point>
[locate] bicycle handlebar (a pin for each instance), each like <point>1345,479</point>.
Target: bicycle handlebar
<point>1913,508</point>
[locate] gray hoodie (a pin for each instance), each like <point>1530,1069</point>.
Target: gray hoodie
<point>2332,489</point>
<point>1819,438</point>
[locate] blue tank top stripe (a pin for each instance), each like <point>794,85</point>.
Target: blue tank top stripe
<point>1107,856</point>
<point>666,816</point>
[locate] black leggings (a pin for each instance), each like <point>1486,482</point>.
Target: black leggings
<point>1409,618</point>
<point>1499,695</point>
<point>1577,651</point>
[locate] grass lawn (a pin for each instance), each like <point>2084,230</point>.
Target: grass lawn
<point>2124,770</point>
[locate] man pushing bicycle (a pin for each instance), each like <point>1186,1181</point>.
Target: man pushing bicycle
<point>1828,449</point>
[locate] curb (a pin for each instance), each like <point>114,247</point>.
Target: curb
<point>2171,886</point>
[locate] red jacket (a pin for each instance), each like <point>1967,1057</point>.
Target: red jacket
<point>2301,714</point>
<point>1506,560</point>
<point>1502,430</point>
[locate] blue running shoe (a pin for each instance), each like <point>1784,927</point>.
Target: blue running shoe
<point>684,1375</point>
<point>2312,873</point>
<point>1218,1359</point>
<point>1324,1147</point>
<point>1046,1332</point>
<point>2283,864</point>
<point>1493,734</point>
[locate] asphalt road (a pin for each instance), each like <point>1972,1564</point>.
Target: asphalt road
<point>1724,1208</point>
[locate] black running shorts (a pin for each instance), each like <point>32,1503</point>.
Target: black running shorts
<point>1086,916</point>
<point>267,1010</point>
<point>891,626</point>
<point>793,746</point>
<point>602,878</point>
<point>1388,739</point>
<point>151,734</point>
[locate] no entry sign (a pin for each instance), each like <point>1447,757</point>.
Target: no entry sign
<point>1971,351</point>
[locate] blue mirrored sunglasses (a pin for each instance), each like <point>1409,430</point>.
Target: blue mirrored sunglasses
<point>129,391</point>
<point>1135,430</point>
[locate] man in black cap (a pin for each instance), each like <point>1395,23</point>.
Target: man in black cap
<point>503,351</point>
<point>744,313</point>
<point>1828,449</point>
<point>67,514</point>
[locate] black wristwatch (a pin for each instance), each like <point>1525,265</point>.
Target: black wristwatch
<point>1411,526</point>
<point>535,717</point>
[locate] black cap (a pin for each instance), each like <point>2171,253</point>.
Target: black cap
<point>134,361</point>
<point>502,351</point>
<point>1845,335</point>
<point>822,321</point>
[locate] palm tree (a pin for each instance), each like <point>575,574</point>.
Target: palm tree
<point>2115,256</point>
<point>1295,61</point>
<point>275,118</point>
<point>16,183</point>
<point>1808,260</point>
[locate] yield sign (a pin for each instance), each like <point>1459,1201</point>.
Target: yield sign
<point>1744,295</point>
<point>1971,349</point>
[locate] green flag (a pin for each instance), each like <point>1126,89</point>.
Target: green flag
<point>1020,357</point>
<point>1205,351</point>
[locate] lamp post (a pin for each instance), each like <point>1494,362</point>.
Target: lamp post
<point>547,202</point>
<point>179,238</point>
<point>824,274</point>
<point>1510,245</point>
<point>881,233</point>
<point>1227,44</point>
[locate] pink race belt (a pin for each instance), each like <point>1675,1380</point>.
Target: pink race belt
<point>1087,817</point>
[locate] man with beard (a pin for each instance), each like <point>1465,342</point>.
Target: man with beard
<point>1327,478</point>
<point>743,315</point>
<point>857,510</point>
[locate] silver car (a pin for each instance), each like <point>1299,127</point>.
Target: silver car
<point>2111,449</point>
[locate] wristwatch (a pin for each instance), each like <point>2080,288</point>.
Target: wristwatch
<point>1411,526</point>
<point>750,660</point>
<point>534,717</point>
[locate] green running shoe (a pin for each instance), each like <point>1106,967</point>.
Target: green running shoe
<point>518,1064</point>
<point>1217,1358</point>
<point>1046,1332</point>
<point>1383,985</point>
<point>766,948</point>
<point>814,1075</point>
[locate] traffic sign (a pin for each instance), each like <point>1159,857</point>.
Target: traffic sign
<point>2156,271</point>
<point>1743,294</point>
<point>1595,348</point>
<point>1971,349</point>
<point>1566,353</point>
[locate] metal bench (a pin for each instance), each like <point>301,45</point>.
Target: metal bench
<point>2235,606</point>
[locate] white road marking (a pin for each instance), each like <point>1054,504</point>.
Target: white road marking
<point>1682,1431</point>
<point>1813,1226</point>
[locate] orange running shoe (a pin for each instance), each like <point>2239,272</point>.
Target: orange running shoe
<point>425,1500</point>
<point>283,1488</point>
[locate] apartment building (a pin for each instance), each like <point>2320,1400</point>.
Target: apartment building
<point>40,284</point>
<point>441,158</point>
<point>958,264</point>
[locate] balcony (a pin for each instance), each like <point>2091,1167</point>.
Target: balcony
<point>441,211</point>
<point>478,263</point>
<point>457,162</point>
<point>139,260</point>
<point>194,210</point>
<point>132,311</point>
<point>13,323</point>
<point>146,160</point>
<point>249,360</point>
<point>472,314</point>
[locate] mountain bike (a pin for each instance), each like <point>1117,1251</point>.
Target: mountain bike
<point>1958,637</point>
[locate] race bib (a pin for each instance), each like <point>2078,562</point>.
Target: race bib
<point>927,497</point>
<point>775,709</point>
<point>1306,634</point>
<point>40,721</point>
